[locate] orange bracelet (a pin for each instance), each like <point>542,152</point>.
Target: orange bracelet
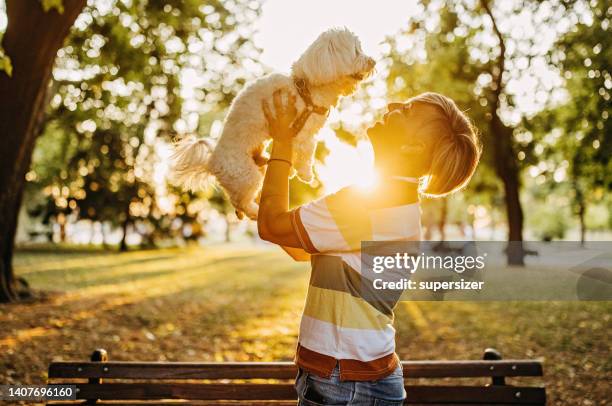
<point>280,159</point>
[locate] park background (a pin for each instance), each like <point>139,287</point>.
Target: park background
<point>100,250</point>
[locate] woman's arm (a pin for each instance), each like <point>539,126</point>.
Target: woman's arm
<point>274,219</point>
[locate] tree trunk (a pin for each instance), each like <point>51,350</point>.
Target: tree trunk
<point>61,220</point>
<point>506,166</point>
<point>103,232</point>
<point>31,40</point>
<point>92,232</point>
<point>581,215</point>
<point>228,230</point>
<point>580,205</point>
<point>442,244</point>
<point>472,224</point>
<point>507,170</point>
<point>443,216</point>
<point>123,245</point>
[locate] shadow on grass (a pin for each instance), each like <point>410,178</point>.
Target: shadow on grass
<point>204,301</point>
<point>108,260</point>
<point>71,249</point>
<point>89,273</point>
<point>135,277</point>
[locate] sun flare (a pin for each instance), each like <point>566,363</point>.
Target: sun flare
<point>346,164</point>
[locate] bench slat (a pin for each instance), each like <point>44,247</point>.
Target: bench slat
<point>416,393</point>
<point>190,403</point>
<point>187,391</point>
<point>278,370</point>
<point>256,403</point>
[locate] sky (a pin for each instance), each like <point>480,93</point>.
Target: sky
<point>287,27</point>
<point>3,19</point>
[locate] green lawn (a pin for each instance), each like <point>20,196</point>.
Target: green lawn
<point>230,303</point>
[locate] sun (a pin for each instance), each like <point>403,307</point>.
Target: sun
<point>346,164</point>
<point>369,181</point>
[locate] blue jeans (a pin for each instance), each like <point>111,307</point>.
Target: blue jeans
<point>313,390</point>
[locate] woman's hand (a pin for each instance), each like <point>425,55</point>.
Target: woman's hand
<point>280,126</point>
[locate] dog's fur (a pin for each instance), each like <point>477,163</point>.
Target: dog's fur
<point>332,67</point>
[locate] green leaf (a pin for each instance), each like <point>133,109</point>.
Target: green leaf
<point>50,4</point>
<point>5,64</point>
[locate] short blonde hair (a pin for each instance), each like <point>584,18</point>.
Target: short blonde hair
<point>456,152</point>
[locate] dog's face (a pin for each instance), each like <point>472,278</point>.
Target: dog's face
<point>335,57</point>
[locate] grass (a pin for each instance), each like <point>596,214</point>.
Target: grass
<point>229,303</point>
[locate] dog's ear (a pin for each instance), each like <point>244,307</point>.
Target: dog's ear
<point>317,63</point>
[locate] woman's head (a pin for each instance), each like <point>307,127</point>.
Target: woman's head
<point>429,137</point>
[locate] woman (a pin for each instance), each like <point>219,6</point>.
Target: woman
<point>346,347</point>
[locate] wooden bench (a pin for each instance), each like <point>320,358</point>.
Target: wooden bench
<point>103,382</point>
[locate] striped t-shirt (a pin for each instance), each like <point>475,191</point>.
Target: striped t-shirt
<point>338,325</point>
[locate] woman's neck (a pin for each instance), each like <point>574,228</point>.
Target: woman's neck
<point>387,172</point>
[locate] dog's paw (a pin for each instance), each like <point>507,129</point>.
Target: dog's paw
<point>305,175</point>
<point>251,210</point>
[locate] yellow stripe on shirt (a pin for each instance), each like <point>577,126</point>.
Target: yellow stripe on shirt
<point>344,310</point>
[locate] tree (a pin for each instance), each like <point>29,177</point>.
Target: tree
<point>117,116</point>
<point>579,129</point>
<point>460,50</point>
<point>506,165</point>
<point>439,60</point>
<point>31,41</point>
<point>118,86</point>
<point>584,57</point>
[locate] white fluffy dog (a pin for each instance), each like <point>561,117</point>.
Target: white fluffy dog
<point>330,68</point>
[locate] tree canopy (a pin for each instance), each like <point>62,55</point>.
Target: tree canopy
<point>133,75</point>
